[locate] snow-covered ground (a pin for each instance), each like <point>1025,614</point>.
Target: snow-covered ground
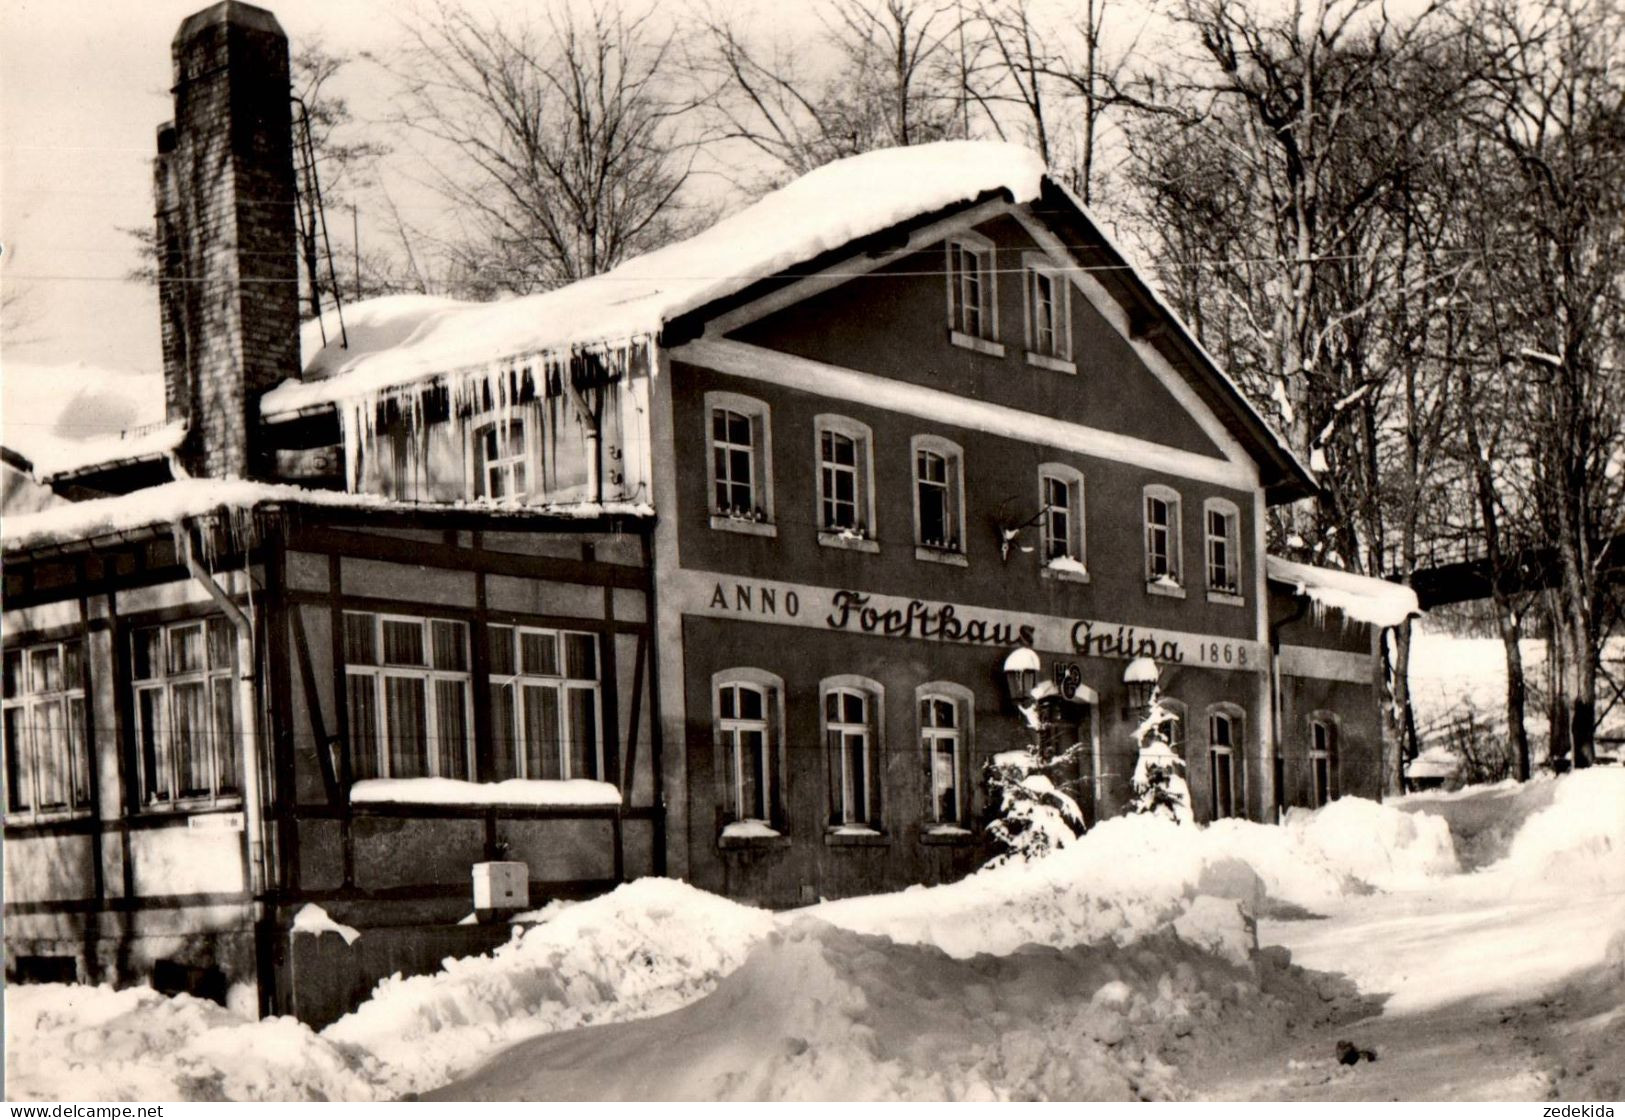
<point>1119,967</point>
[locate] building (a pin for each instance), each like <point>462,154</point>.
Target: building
<point>709,566</point>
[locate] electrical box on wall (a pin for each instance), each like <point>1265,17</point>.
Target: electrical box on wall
<point>503,885</point>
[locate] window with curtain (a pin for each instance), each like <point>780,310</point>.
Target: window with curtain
<point>182,675</point>
<point>408,683</point>
<point>546,703</point>
<point>47,768</point>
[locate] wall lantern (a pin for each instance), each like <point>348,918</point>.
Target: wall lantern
<point>1139,682</point>
<point>1021,674</point>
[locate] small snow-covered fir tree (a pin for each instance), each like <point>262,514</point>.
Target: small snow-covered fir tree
<point>1036,812</point>
<point>1158,784</point>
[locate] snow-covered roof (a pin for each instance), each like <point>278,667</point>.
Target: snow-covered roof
<point>63,417</point>
<point>1435,762</point>
<point>403,339</point>
<point>174,502</point>
<point>1362,598</point>
<point>68,457</point>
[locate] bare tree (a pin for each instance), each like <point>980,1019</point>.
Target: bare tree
<point>556,141</point>
<point>893,73</point>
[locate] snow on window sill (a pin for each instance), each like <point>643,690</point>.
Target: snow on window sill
<point>1228,598</point>
<point>1066,569</point>
<point>751,834</point>
<point>837,539</point>
<point>1058,365</point>
<point>940,556</point>
<point>947,834</point>
<point>740,525</point>
<point>980,345</point>
<point>1163,585</point>
<point>314,920</point>
<point>573,792</point>
<point>855,836</point>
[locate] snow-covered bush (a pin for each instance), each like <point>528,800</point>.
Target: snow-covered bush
<point>1033,790</point>
<point>1158,785</point>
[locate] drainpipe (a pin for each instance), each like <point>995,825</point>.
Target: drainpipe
<point>247,705</point>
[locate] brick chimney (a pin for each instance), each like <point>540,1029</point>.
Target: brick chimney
<point>227,271</point>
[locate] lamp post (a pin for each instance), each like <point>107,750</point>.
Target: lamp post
<point>1021,675</point>
<point>1139,683</point>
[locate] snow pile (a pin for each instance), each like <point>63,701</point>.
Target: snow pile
<point>1579,839</point>
<point>823,210</point>
<point>1362,598</point>
<point>1483,819</point>
<point>514,791</point>
<point>645,948</point>
<point>821,1013</point>
<point>83,1043</point>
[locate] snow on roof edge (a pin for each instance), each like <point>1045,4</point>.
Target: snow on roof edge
<point>173,502</point>
<point>64,457</point>
<point>1363,598</point>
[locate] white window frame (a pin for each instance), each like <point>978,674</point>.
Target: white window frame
<point>163,685</point>
<point>952,550</point>
<point>23,758</point>
<point>960,736</point>
<point>380,673</point>
<point>1234,755</point>
<point>760,416</point>
<point>1058,355</point>
<point>1077,538</point>
<point>508,465</point>
<point>1157,582</point>
<point>1220,589</point>
<point>843,813</point>
<point>983,340</point>
<point>561,683</point>
<point>1323,758</point>
<point>771,688</point>
<point>862,538</point>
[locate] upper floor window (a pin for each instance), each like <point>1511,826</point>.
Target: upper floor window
<point>186,710</point>
<point>1061,505</point>
<point>1224,750</point>
<point>939,499</point>
<point>738,464</point>
<point>746,713</point>
<point>502,459</point>
<point>851,733</point>
<point>845,480</point>
<point>407,686</point>
<point>1162,546</point>
<point>1323,758</point>
<point>1222,522</point>
<point>1049,316</point>
<point>972,299</point>
<point>545,703</point>
<point>944,714</point>
<point>47,768</point>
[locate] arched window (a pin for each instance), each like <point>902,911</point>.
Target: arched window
<point>1323,758</point>
<point>1221,523</point>
<point>846,487</point>
<point>747,720</point>
<point>1176,728</point>
<point>945,712</point>
<point>851,708</point>
<point>973,305</point>
<point>939,500</point>
<point>1226,759</point>
<point>1163,566</point>
<point>739,463</point>
<point>1061,505</point>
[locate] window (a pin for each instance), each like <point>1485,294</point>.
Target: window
<point>545,703</point>
<point>1224,744</point>
<point>186,711</point>
<point>747,723</point>
<point>851,719</point>
<point>939,503</point>
<point>502,460</point>
<point>973,318</point>
<point>944,714</point>
<point>738,467</point>
<point>845,481</point>
<point>1323,758</point>
<point>1162,538</point>
<point>47,766</point>
<point>1175,728</point>
<point>1060,496</point>
<point>408,689</point>
<point>1049,322</point>
<point>1223,526</point>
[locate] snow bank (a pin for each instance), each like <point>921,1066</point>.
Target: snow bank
<point>821,1013</point>
<point>823,210</point>
<point>82,1043</point>
<point>514,791</point>
<point>1579,839</point>
<point>646,948</point>
<point>1376,601</point>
